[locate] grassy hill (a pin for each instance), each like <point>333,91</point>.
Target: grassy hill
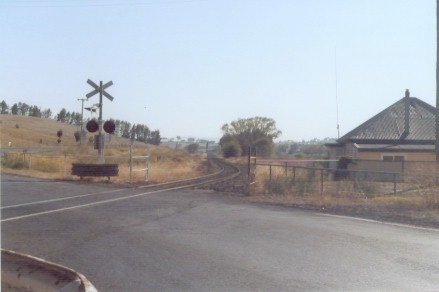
<point>23,131</point>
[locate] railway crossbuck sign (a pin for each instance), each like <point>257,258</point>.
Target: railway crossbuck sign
<point>101,90</point>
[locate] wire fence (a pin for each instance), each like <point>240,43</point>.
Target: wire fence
<point>56,165</point>
<point>360,177</point>
<point>284,178</point>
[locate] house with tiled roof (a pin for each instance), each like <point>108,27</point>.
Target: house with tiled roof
<point>405,131</point>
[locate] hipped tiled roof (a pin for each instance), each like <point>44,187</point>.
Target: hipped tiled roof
<point>388,125</point>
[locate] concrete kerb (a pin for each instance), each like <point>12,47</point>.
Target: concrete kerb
<point>20,272</point>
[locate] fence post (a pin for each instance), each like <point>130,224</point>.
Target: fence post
<point>403,169</point>
<point>286,168</point>
<point>30,161</point>
<point>65,165</point>
<point>321,182</point>
<point>270,175</point>
<point>147,170</point>
<point>131,163</point>
<point>249,162</point>
<point>394,183</point>
<point>146,167</point>
<point>355,180</point>
<point>294,175</point>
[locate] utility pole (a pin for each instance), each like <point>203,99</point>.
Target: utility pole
<point>437,81</point>
<point>82,99</point>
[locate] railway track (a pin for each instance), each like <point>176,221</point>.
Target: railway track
<point>225,172</point>
<point>66,202</point>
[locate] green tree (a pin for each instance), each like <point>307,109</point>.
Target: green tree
<point>68,118</point>
<point>293,148</point>
<point>14,109</point>
<point>258,132</point>
<point>154,138</point>
<point>4,108</point>
<point>62,116</point>
<point>125,129</point>
<point>23,108</point>
<point>47,113</point>
<point>75,118</point>
<point>35,111</point>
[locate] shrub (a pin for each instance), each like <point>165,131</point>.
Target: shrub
<point>192,148</point>
<point>77,135</point>
<point>368,188</point>
<point>279,185</point>
<point>14,162</point>
<point>232,149</point>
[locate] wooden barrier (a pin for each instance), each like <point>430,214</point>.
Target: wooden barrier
<point>83,170</point>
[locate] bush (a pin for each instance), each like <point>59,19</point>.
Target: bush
<point>192,148</point>
<point>77,136</point>
<point>231,149</point>
<point>14,162</point>
<point>279,185</point>
<point>368,188</point>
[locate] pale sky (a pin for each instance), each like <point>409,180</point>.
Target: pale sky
<point>196,65</point>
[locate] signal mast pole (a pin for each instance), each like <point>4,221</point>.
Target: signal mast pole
<point>101,90</point>
<point>101,158</point>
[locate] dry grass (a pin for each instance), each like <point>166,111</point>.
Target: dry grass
<point>417,204</point>
<point>165,163</point>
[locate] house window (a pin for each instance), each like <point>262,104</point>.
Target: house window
<point>389,158</point>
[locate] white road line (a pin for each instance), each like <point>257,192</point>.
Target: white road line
<point>95,203</point>
<point>376,221</point>
<point>58,199</point>
<point>26,181</point>
<point>109,200</point>
<point>92,194</point>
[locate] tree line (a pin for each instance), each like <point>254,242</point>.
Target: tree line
<point>138,132</point>
<point>24,109</point>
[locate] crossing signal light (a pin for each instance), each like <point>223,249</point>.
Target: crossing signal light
<point>109,127</point>
<point>92,126</point>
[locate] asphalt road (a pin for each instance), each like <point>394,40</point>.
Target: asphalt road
<point>199,240</point>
